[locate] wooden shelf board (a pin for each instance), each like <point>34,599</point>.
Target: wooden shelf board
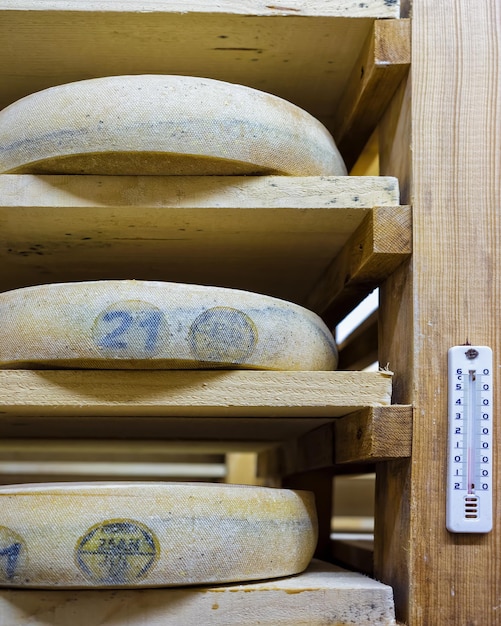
<point>271,47</point>
<point>323,594</point>
<point>215,410</point>
<point>207,230</point>
<point>185,393</point>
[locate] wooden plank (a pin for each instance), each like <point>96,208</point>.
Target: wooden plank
<point>366,436</point>
<point>396,346</point>
<point>378,246</point>
<point>360,348</point>
<point>442,577</point>
<point>198,393</point>
<point>323,594</point>
<point>381,65</point>
<point>374,435</point>
<point>207,230</point>
<point>271,47</point>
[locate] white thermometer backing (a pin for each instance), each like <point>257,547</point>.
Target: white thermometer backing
<point>469,473</point>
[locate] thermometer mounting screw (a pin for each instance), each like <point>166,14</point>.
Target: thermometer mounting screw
<point>471,353</point>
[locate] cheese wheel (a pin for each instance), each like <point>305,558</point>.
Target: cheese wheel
<point>125,324</point>
<point>157,124</point>
<point>151,534</point>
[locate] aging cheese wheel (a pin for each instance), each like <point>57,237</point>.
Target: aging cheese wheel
<point>157,124</point>
<point>123,324</point>
<point>151,534</point>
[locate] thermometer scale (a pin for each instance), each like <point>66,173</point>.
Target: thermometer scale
<point>469,489</point>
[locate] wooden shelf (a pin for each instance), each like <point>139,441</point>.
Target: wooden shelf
<point>184,405</point>
<point>324,594</point>
<point>274,235</point>
<point>271,47</point>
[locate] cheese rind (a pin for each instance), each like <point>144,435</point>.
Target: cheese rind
<point>151,534</point>
<point>162,124</point>
<point>127,324</point>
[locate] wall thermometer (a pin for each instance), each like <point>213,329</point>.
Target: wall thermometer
<point>469,489</point>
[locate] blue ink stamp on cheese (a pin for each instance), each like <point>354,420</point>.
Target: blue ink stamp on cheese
<point>117,552</point>
<point>130,329</point>
<point>13,556</point>
<point>223,335</point>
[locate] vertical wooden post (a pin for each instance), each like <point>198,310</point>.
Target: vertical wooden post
<point>453,287</point>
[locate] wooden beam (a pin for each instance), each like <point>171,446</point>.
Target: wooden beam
<point>448,293</point>
<point>380,67</point>
<point>366,436</point>
<point>374,434</point>
<point>378,246</point>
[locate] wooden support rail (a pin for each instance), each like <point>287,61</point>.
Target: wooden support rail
<point>366,436</point>
<point>381,65</point>
<point>378,246</point>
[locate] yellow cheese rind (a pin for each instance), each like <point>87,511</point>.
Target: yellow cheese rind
<point>163,125</point>
<point>126,324</point>
<point>151,534</point>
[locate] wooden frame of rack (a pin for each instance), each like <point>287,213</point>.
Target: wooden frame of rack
<point>446,293</point>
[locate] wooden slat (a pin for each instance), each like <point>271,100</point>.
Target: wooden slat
<point>380,67</point>
<point>379,245</point>
<point>396,346</point>
<point>374,435</point>
<point>207,230</point>
<point>324,594</point>
<point>366,436</point>
<point>360,348</point>
<point>199,393</point>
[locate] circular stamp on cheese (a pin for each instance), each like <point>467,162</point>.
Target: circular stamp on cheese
<point>223,335</point>
<point>152,534</point>
<point>163,125</point>
<point>117,552</point>
<point>128,324</point>
<point>13,557</point>
<point>131,329</point>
